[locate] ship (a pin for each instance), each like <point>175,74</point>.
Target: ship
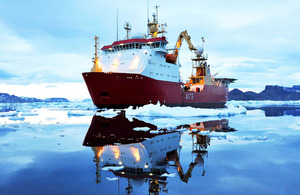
<point>141,70</point>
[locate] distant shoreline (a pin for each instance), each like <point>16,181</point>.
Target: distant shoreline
<point>271,92</point>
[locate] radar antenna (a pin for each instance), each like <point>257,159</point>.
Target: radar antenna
<point>127,27</point>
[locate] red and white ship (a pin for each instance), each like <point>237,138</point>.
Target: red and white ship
<point>141,70</point>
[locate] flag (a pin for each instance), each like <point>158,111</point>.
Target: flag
<point>203,39</point>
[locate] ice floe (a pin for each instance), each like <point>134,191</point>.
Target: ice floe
<point>112,168</point>
<point>168,175</point>
<point>157,110</point>
<point>254,103</point>
<point>112,178</point>
<point>141,129</point>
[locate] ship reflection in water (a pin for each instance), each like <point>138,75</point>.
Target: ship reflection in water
<point>141,153</point>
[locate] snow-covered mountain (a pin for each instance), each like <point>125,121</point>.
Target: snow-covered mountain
<point>6,98</point>
<point>271,92</point>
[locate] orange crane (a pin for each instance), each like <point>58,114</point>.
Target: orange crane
<point>172,58</point>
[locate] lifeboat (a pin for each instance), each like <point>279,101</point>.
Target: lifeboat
<point>170,58</point>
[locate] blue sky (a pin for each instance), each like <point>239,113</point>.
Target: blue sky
<point>46,45</point>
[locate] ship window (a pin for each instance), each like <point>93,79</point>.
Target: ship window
<point>194,80</point>
<point>198,80</point>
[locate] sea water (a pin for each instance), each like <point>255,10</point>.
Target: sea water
<point>247,148</point>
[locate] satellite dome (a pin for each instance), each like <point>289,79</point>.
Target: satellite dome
<point>199,50</point>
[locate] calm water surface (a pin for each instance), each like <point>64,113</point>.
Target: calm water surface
<point>55,152</point>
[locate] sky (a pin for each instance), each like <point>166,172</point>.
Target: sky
<point>46,45</point>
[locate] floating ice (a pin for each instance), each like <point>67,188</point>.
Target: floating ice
<point>80,113</point>
<point>16,118</point>
<point>112,178</point>
<point>168,175</point>
<point>166,123</point>
<point>141,128</point>
<point>154,132</point>
<point>112,168</point>
<point>254,103</point>
<point>9,113</point>
<point>158,110</point>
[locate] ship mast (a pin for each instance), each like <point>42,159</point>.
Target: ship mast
<point>96,67</point>
<point>153,27</point>
<point>127,27</point>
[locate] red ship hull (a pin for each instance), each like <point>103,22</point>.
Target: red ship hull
<point>121,90</point>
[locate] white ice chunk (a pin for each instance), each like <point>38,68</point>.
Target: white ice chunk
<point>164,111</point>
<point>168,175</point>
<point>9,113</point>
<point>253,103</point>
<point>112,168</point>
<point>112,178</point>
<point>141,128</point>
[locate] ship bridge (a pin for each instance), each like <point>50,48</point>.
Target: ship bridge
<point>135,43</point>
<point>147,57</point>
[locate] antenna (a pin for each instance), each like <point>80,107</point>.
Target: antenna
<point>117,24</point>
<point>127,27</point>
<point>156,7</point>
<point>96,67</point>
<point>148,17</point>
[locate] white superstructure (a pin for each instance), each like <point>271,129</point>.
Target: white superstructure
<point>148,59</point>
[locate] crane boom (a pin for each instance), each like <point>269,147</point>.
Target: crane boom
<point>183,35</point>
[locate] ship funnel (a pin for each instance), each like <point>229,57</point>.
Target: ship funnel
<point>199,50</point>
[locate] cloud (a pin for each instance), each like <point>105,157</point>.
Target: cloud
<point>9,42</point>
<point>256,42</point>
<point>23,62</point>
<point>5,75</point>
